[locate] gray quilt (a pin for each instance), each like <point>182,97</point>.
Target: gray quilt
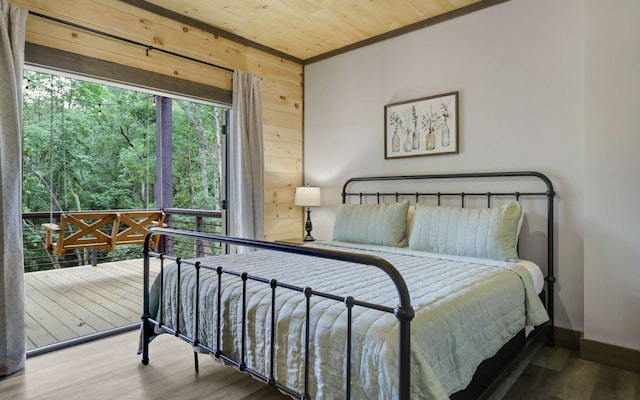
<point>466,309</point>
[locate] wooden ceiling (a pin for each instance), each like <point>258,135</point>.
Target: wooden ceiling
<point>309,30</point>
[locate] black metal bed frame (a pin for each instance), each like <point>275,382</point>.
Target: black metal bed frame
<point>549,194</point>
<point>404,312</point>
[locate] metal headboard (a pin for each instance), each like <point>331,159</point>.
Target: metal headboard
<point>486,176</point>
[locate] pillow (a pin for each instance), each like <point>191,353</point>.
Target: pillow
<point>410,215</point>
<point>474,232</point>
<point>378,224</point>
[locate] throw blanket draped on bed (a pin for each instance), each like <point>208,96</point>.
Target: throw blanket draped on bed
<point>465,310</point>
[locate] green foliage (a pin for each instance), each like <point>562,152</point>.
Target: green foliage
<point>92,147</point>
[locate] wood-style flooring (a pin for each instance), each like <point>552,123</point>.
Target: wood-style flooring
<point>110,369</point>
<point>63,304</point>
<point>560,374</point>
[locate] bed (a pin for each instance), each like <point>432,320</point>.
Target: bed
<point>415,298</point>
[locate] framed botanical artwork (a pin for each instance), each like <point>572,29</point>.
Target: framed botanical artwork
<point>421,127</point>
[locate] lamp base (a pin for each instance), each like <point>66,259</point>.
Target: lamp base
<point>308,227</point>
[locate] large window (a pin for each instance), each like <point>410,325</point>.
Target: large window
<point>90,146</point>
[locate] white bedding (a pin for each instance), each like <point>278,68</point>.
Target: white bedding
<point>466,309</point>
<point>536,274</point>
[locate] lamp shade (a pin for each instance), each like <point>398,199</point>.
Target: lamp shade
<point>307,196</point>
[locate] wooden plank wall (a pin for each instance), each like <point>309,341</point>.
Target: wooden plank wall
<point>281,79</point>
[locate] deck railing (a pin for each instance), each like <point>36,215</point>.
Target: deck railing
<point>37,258</point>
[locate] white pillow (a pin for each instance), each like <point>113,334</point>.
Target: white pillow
<point>410,215</point>
<point>475,232</point>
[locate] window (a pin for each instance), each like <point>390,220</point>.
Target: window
<point>91,146</point>
<point>95,146</point>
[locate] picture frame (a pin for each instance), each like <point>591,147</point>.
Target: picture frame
<point>422,127</point>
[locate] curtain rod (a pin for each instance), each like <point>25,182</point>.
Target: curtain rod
<point>133,42</point>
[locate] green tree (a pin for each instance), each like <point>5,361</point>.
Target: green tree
<point>92,147</point>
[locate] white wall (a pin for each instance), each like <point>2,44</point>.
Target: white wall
<point>519,69</point>
<point>612,173</point>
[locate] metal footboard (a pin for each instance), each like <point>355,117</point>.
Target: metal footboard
<point>404,311</point>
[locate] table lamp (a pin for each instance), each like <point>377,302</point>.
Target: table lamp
<point>308,196</point>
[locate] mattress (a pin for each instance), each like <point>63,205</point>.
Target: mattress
<point>536,274</point>
<point>466,309</point>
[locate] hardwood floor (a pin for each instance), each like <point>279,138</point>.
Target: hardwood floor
<point>110,369</point>
<point>63,304</point>
<point>560,374</point>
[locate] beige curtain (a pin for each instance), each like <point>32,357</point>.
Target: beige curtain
<point>13,22</point>
<point>246,161</point>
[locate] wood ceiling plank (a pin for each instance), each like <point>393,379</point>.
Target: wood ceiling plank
<point>120,19</point>
<point>307,28</point>
<point>304,29</point>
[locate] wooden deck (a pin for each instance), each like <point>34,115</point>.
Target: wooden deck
<point>63,304</point>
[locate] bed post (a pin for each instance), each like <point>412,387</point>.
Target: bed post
<point>404,314</point>
<point>145,296</point>
<point>551,279</point>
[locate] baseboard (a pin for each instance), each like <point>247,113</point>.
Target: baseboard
<point>611,355</point>
<point>567,338</point>
<point>604,353</point>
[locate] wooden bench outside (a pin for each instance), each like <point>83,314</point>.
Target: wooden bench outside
<point>134,226</point>
<point>100,230</point>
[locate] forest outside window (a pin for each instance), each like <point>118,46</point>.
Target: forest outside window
<point>104,149</point>
<point>90,146</point>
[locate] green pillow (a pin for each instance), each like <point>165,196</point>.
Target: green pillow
<point>377,224</point>
<point>474,232</point>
